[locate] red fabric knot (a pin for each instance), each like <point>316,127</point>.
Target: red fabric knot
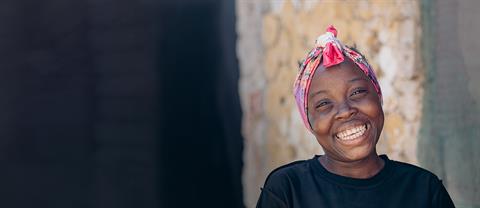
<point>332,54</point>
<point>332,29</point>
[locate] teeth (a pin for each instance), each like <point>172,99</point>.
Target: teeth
<point>352,133</point>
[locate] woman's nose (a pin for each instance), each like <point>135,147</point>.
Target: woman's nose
<point>345,111</point>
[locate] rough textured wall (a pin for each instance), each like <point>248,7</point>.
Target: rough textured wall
<point>274,35</point>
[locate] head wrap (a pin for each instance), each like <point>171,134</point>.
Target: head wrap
<point>329,51</point>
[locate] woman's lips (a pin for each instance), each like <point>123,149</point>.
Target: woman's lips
<point>352,133</point>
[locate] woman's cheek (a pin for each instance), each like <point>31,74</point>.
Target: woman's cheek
<point>373,109</point>
<point>321,123</point>
<point>371,106</point>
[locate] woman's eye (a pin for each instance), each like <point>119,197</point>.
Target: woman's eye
<point>359,91</point>
<point>322,103</point>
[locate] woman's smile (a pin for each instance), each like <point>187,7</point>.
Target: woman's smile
<point>352,135</point>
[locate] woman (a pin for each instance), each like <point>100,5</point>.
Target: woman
<point>340,101</point>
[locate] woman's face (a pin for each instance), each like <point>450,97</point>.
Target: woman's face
<point>345,112</point>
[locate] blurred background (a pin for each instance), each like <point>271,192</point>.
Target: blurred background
<point>189,103</point>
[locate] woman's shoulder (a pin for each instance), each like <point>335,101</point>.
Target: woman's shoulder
<point>288,172</point>
<point>279,184</point>
<point>424,181</point>
<point>403,169</point>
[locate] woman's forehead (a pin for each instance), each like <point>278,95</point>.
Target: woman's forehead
<point>345,71</point>
<point>336,80</point>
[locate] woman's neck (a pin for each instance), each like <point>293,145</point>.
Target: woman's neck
<point>361,169</point>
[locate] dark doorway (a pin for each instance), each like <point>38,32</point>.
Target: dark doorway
<point>107,104</point>
<point>201,146</point>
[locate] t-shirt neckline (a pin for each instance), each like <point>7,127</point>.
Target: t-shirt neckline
<point>353,182</point>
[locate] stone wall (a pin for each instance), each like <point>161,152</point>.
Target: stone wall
<point>275,35</point>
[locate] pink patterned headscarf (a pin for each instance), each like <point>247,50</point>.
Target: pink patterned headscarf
<point>329,51</point>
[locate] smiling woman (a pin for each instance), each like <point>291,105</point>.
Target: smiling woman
<point>340,102</point>
<point>346,117</point>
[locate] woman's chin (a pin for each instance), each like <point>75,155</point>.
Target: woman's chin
<point>359,154</point>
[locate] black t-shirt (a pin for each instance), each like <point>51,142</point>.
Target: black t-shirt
<point>307,184</point>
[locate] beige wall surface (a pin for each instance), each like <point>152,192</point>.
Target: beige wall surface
<point>274,35</point>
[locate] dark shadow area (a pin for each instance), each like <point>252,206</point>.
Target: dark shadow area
<point>200,110</point>
<point>119,104</point>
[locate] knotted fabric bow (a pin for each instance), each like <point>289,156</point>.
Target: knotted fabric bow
<point>332,54</point>
<point>329,51</point>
